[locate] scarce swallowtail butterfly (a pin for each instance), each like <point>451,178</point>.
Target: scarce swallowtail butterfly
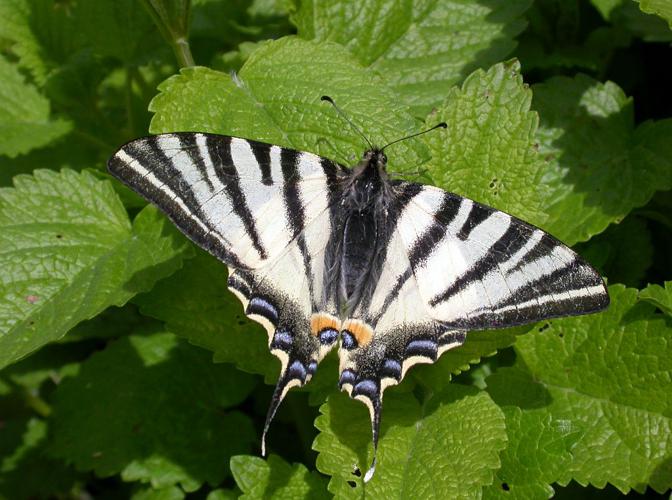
<point>394,272</point>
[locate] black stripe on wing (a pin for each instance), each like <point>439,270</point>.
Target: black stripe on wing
<point>403,194</point>
<point>478,214</point>
<point>219,148</point>
<point>144,166</point>
<point>436,232</point>
<point>295,213</point>
<point>262,152</point>
<point>189,145</point>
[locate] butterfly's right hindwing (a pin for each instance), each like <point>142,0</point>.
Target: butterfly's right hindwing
<point>263,210</point>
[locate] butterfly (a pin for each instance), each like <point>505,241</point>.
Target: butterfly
<point>395,273</point>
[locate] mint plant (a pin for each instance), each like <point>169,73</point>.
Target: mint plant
<point>129,370</point>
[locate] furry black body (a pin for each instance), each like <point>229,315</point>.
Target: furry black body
<point>357,247</point>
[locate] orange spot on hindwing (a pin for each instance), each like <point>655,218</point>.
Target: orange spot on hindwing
<point>319,322</point>
<point>362,332</point>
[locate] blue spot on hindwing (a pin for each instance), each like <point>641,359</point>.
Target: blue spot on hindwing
<point>327,336</point>
<point>391,368</point>
<point>347,377</point>
<point>348,340</point>
<point>282,339</point>
<point>297,371</point>
<point>262,307</point>
<point>422,347</point>
<point>368,388</point>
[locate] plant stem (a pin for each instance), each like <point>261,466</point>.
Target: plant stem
<point>38,404</point>
<point>182,52</point>
<point>174,27</point>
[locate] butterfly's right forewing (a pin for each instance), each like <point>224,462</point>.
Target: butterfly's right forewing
<point>234,197</point>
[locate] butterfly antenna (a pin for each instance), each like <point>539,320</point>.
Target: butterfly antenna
<point>345,117</point>
<point>438,125</point>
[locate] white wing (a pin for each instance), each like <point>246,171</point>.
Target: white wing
<point>263,210</point>
<point>453,265</point>
<point>243,201</point>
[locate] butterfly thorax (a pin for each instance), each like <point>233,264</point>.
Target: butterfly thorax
<point>367,183</point>
<point>361,230</point>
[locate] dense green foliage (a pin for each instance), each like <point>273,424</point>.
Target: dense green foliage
<point>129,370</point>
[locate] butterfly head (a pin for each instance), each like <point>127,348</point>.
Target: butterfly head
<point>372,168</point>
<point>375,159</point>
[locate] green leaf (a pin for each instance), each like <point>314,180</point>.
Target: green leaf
<point>623,252</point>
<point>659,296</point>
<point>39,374</point>
<point>42,33</point>
<point>556,39</point>
<point>537,452</point>
<point>196,304</point>
<point>25,124</point>
<point>222,494</point>
<point>607,7</point>
<point>121,29</point>
<point>599,166</point>
<point>22,456</point>
<point>420,444</point>
<point>421,48</point>
<point>69,252</point>
<point>275,98</point>
<point>488,151</point>
<point>111,323</point>
<point>234,59</point>
<point>168,493</point>
<point>661,8</point>
<point>169,405</point>
<point>625,14</point>
<point>275,478</point>
<point>605,379</point>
